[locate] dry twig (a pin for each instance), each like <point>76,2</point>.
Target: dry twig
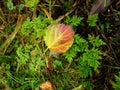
<point>12,36</point>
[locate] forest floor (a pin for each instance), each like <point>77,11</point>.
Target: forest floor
<point>19,46</point>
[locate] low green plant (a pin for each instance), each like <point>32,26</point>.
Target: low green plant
<point>29,61</point>
<point>86,54</point>
<point>67,5</point>
<point>118,13</point>
<point>92,20</point>
<point>116,85</point>
<point>74,20</point>
<point>31,4</point>
<point>28,69</point>
<point>10,5</point>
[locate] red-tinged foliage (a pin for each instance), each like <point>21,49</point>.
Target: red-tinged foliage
<point>59,38</point>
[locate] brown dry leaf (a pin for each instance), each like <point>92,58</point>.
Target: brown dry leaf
<point>101,6</point>
<point>46,86</point>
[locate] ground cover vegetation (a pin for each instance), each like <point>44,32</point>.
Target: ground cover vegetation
<point>59,44</point>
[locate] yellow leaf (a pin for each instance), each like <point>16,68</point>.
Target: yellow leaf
<point>59,38</point>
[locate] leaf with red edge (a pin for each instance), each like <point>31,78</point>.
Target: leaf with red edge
<point>59,38</point>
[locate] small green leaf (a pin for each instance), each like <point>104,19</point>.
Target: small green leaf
<point>8,67</point>
<point>57,63</point>
<point>84,71</point>
<point>21,6</point>
<point>105,3</point>
<point>96,42</point>
<point>74,21</point>
<point>31,3</point>
<point>10,5</point>
<point>116,85</point>
<point>92,19</point>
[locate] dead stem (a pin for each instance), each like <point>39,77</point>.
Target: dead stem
<point>62,16</point>
<point>68,13</point>
<point>4,47</point>
<point>45,11</point>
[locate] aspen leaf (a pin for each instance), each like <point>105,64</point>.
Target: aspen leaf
<point>59,38</point>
